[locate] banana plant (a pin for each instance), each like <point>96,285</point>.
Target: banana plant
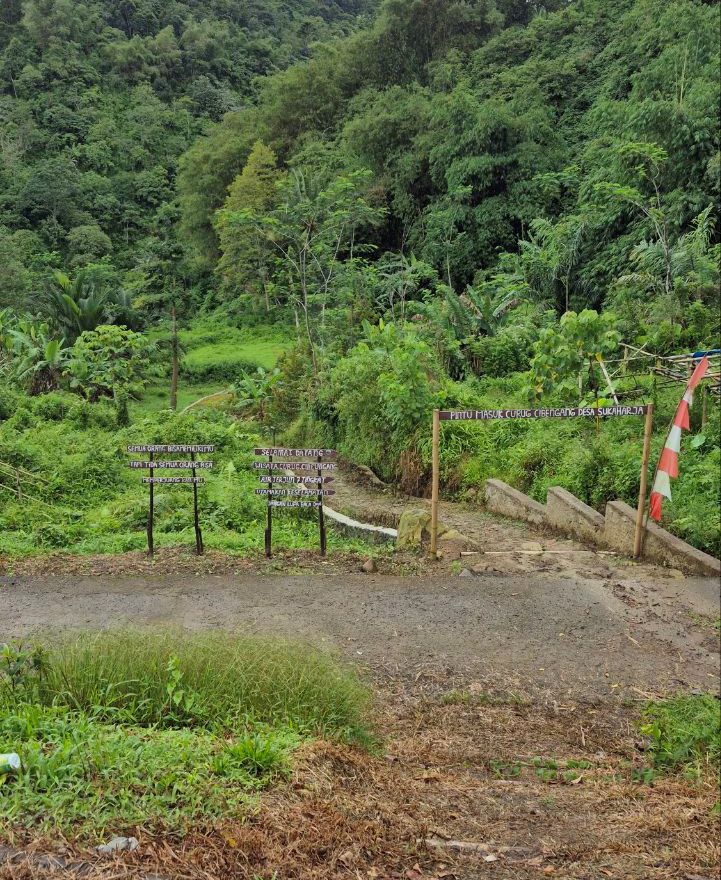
<point>252,393</point>
<point>38,360</point>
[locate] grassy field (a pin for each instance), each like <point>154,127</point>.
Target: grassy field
<point>157,396</point>
<point>214,355</point>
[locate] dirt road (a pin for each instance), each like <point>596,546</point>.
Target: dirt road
<point>563,635</point>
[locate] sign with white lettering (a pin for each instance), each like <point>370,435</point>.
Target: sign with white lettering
<point>154,464</point>
<point>285,459</point>
<point>284,452</point>
<point>174,481</point>
<point>295,465</point>
<point>306,481</point>
<point>171,465</point>
<point>296,492</point>
<point>541,413</point>
<point>172,448</point>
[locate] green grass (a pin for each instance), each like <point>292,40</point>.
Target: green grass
<point>157,397</point>
<point>214,350</point>
<point>86,777</point>
<point>160,729</point>
<point>232,355</point>
<point>684,733</point>
<point>129,675</point>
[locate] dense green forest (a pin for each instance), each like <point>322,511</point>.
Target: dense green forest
<point>409,203</point>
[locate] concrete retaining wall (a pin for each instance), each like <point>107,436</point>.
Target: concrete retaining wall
<point>568,514</point>
<point>565,513</point>
<point>659,545</point>
<point>502,498</point>
<point>355,529</point>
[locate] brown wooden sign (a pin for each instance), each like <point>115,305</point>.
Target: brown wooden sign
<point>563,412</point>
<point>293,481</point>
<point>295,465</point>
<point>303,505</point>
<point>171,465</point>
<point>287,459</point>
<point>154,464</point>
<point>285,452</point>
<point>297,492</point>
<point>173,447</point>
<point>174,481</point>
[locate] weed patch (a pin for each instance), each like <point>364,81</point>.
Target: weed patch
<point>83,775</point>
<point>171,679</point>
<point>164,730</point>
<point>684,733</point>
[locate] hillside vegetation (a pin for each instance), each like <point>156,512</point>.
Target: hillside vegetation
<point>432,203</point>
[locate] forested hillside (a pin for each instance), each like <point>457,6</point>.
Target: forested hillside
<point>98,100</point>
<point>431,202</point>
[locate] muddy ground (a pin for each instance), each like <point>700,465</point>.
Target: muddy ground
<point>507,701</point>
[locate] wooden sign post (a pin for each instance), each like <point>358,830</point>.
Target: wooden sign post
<point>485,415</point>
<point>296,481</point>
<point>153,464</point>
<point>638,535</point>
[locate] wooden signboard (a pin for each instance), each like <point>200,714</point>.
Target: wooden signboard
<point>484,415</point>
<point>290,473</point>
<point>154,464</point>
<point>561,412</point>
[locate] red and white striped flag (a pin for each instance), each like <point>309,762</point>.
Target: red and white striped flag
<point>668,463</point>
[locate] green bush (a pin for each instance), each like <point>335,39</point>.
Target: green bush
<point>508,352</point>
<point>379,398</point>
<point>9,401</point>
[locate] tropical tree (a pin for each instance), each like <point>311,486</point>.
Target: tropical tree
<point>564,352</point>
<point>311,232</point>
<point>109,361</point>
<point>84,303</point>
<point>29,354</point>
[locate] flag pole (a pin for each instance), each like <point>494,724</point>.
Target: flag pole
<point>640,524</point>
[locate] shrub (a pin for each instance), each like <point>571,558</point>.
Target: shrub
<point>502,355</point>
<point>107,360</point>
<point>381,396</point>
<point>9,401</point>
<point>85,777</point>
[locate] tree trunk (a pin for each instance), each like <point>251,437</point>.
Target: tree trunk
<point>175,369</point>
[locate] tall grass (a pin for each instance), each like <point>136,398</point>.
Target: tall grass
<point>173,678</point>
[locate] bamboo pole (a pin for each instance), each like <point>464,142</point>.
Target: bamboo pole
<point>638,536</point>
<point>436,481</point>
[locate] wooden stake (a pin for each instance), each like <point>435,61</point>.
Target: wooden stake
<point>269,524</point>
<point>704,405</point>
<point>436,481</point>
<point>196,522</point>
<point>150,507</point>
<point>638,536</point>
<point>321,517</point>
